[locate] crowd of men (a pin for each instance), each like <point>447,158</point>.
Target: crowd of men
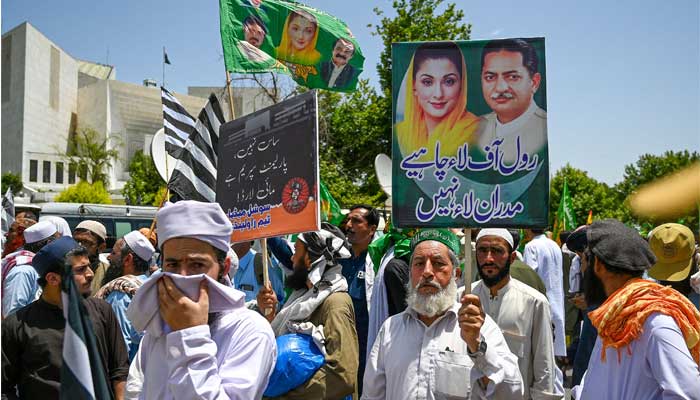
<point>186,314</point>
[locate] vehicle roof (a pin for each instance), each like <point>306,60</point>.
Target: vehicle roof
<point>98,210</point>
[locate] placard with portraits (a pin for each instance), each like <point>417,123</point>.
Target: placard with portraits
<point>470,134</point>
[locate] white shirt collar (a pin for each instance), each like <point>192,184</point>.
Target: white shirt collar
<point>515,126</point>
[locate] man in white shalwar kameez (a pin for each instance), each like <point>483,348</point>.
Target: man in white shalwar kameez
<point>198,349</point>
<point>520,311</point>
<point>545,257</point>
<point>438,348</point>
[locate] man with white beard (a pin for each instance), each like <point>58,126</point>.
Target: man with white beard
<point>438,348</point>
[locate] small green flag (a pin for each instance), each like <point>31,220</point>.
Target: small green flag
<point>330,210</point>
<point>566,218</point>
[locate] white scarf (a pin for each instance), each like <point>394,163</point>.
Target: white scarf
<point>303,302</point>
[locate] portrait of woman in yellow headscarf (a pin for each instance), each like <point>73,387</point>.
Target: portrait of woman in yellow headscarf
<point>435,107</point>
<point>299,37</point>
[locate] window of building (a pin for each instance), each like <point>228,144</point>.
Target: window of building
<point>59,172</point>
<point>54,77</point>
<point>71,173</point>
<point>33,169</point>
<point>46,176</point>
<point>6,67</point>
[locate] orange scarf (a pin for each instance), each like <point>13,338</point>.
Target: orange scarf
<point>620,319</point>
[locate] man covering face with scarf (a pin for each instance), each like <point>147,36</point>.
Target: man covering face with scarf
<point>320,298</point>
<point>648,344</point>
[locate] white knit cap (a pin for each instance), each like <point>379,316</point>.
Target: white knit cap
<point>500,232</point>
<point>39,231</point>
<point>193,219</point>
<point>140,245</point>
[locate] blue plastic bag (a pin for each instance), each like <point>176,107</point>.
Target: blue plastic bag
<point>298,359</point>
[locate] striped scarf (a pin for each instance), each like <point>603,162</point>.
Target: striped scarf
<point>620,319</point>
<point>127,284</point>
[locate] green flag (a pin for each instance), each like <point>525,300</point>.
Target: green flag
<point>316,49</point>
<point>566,218</point>
<point>330,210</point>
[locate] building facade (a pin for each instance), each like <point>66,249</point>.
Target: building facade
<point>48,95</point>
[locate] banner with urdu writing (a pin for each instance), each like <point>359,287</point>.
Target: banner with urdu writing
<point>267,181</point>
<point>316,49</point>
<point>470,134</point>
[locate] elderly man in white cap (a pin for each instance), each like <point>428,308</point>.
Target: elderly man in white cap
<point>20,286</point>
<point>200,341</point>
<point>520,311</point>
<point>129,265</point>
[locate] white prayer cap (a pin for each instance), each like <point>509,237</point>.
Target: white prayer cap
<point>39,231</point>
<point>61,225</point>
<point>500,232</point>
<point>140,245</point>
<point>193,219</point>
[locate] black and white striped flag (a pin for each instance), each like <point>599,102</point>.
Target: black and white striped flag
<point>194,176</point>
<point>177,124</point>
<point>81,372</point>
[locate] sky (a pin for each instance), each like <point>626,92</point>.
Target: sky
<point>623,77</point>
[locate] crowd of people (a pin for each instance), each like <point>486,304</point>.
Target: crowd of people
<point>183,313</point>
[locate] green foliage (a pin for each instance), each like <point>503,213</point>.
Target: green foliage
<point>12,181</point>
<point>416,20</point>
<point>90,153</point>
<point>611,202</point>
<point>85,192</point>
<point>647,169</point>
<point>144,182</point>
<point>586,194</point>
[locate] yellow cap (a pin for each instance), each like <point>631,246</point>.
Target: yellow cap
<point>674,247</point>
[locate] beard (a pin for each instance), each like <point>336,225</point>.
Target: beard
<point>115,270</point>
<point>493,280</point>
<point>298,278</point>
<point>431,305</point>
<point>593,289</point>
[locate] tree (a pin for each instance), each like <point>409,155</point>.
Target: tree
<point>144,182</point>
<point>647,169</point>
<point>12,181</point>
<point>586,194</point>
<point>85,192</point>
<point>91,155</point>
<point>416,20</point>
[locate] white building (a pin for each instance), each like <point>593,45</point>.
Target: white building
<point>48,95</point>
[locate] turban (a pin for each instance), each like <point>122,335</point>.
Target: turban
<point>194,219</point>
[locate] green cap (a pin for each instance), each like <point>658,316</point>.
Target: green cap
<point>443,236</point>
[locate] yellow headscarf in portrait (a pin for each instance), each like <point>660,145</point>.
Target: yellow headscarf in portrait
<point>455,129</point>
<point>287,52</point>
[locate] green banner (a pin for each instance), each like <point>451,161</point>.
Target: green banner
<point>566,217</point>
<point>470,134</point>
<point>316,49</point>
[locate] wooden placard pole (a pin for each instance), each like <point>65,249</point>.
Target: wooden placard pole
<point>467,273</point>
<point>263,242</point>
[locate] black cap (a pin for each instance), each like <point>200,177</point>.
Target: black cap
<point>620,246</point>
<point>578,240</point>
<point>53,254</point>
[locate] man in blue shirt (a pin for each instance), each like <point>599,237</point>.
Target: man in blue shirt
<point>19,285</point>
<point>360,227</point>
<point>249,277</point>
<point>129,264</point>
